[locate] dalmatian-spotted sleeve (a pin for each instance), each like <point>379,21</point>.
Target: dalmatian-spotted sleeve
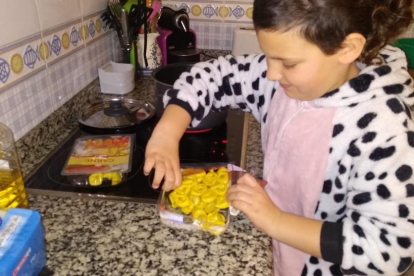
<point>378,229</point>
<point>218,85</point>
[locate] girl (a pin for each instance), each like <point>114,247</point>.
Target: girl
<point>338,141</point>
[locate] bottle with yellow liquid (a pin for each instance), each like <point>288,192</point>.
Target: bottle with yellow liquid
<point>12,191</point>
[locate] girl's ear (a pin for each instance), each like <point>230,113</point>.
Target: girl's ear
<point>352,48</point>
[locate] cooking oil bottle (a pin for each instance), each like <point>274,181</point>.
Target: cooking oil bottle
<point>12,191</point>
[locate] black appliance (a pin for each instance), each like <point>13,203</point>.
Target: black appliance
<point>177,41</point>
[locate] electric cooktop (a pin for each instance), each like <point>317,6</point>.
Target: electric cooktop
<point>223,144</point>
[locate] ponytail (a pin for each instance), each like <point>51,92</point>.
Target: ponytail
<point>388,20</point>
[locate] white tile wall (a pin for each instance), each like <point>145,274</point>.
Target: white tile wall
<point>53,13</point>
<point>92,6</point>
<point>26,104</point>
<point>17,22</point>
<point>51,51</point>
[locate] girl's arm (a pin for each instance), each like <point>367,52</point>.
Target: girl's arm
<point>230,82</point>
<point>162,148</point>
<point>301,233</point>
<point>215,85</point>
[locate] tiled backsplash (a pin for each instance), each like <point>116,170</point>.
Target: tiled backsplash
<point>214,20</point>
<point>49,51</point>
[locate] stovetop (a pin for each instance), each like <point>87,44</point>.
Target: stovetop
<point>223,144</point>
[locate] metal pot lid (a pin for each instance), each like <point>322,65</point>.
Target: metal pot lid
<point>116,113</point>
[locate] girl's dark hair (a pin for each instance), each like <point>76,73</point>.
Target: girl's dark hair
<point>326,23</point>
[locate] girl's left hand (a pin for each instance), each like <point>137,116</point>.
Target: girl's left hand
<point>249,197</point>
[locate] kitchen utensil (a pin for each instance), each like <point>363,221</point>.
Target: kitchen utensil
<point>115,7</point>
<point>110,20</point>
<point>125,27</point>
<point>165,77</point>
<point>129,55</point>
<point>138,17</point>
<point>154,23</point>
<point>156,9</point>
<point>115,115</point>
<point>129,4</point>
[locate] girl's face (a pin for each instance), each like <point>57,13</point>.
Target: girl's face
<point>301,68</point>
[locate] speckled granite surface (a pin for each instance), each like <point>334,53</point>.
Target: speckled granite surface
<point>85,237</point>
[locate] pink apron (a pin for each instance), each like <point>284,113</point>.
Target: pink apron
<point>296,155</point>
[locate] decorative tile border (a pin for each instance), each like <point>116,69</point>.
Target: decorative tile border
<point>21,62</point>
<point>237,11</point>
<point>96,28</point>
<point>22,59</point>
<point>20,43</point>
<point>62,42</point>
<point>42,72</point>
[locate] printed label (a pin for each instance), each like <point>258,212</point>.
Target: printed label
<point>9,229</point>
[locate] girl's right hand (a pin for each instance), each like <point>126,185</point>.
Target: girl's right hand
<point>161,154</point>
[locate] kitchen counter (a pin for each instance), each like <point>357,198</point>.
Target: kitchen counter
<point>90,237</point>
<point>94,237</point>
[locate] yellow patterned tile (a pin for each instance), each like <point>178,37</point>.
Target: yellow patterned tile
<point>92,28</point>
<point>20,61</point>
<point>224,11</point>
<point>16,63</point>
<point>196,10</point>
<point>249,12</point>
<point>61,42</point>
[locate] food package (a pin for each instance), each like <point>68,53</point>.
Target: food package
<point>22,246</point>
<point>100,160</point>
<point>200,202</point>
<point>100,154</point>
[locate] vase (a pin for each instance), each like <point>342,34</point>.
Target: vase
<point>153,54</point>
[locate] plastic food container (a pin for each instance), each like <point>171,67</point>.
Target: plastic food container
<point>174,217</point>
<point>116,78</point>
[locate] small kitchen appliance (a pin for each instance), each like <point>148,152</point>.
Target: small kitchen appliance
<point>178,42</point>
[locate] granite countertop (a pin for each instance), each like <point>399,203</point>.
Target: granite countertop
<point>94,237</point>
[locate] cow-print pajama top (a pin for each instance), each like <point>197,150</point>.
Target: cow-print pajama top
<point>367,200</point>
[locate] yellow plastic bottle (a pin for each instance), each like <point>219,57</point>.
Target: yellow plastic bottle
<point>12,191</point>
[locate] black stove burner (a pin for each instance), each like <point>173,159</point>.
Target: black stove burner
<point>220,145</point>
